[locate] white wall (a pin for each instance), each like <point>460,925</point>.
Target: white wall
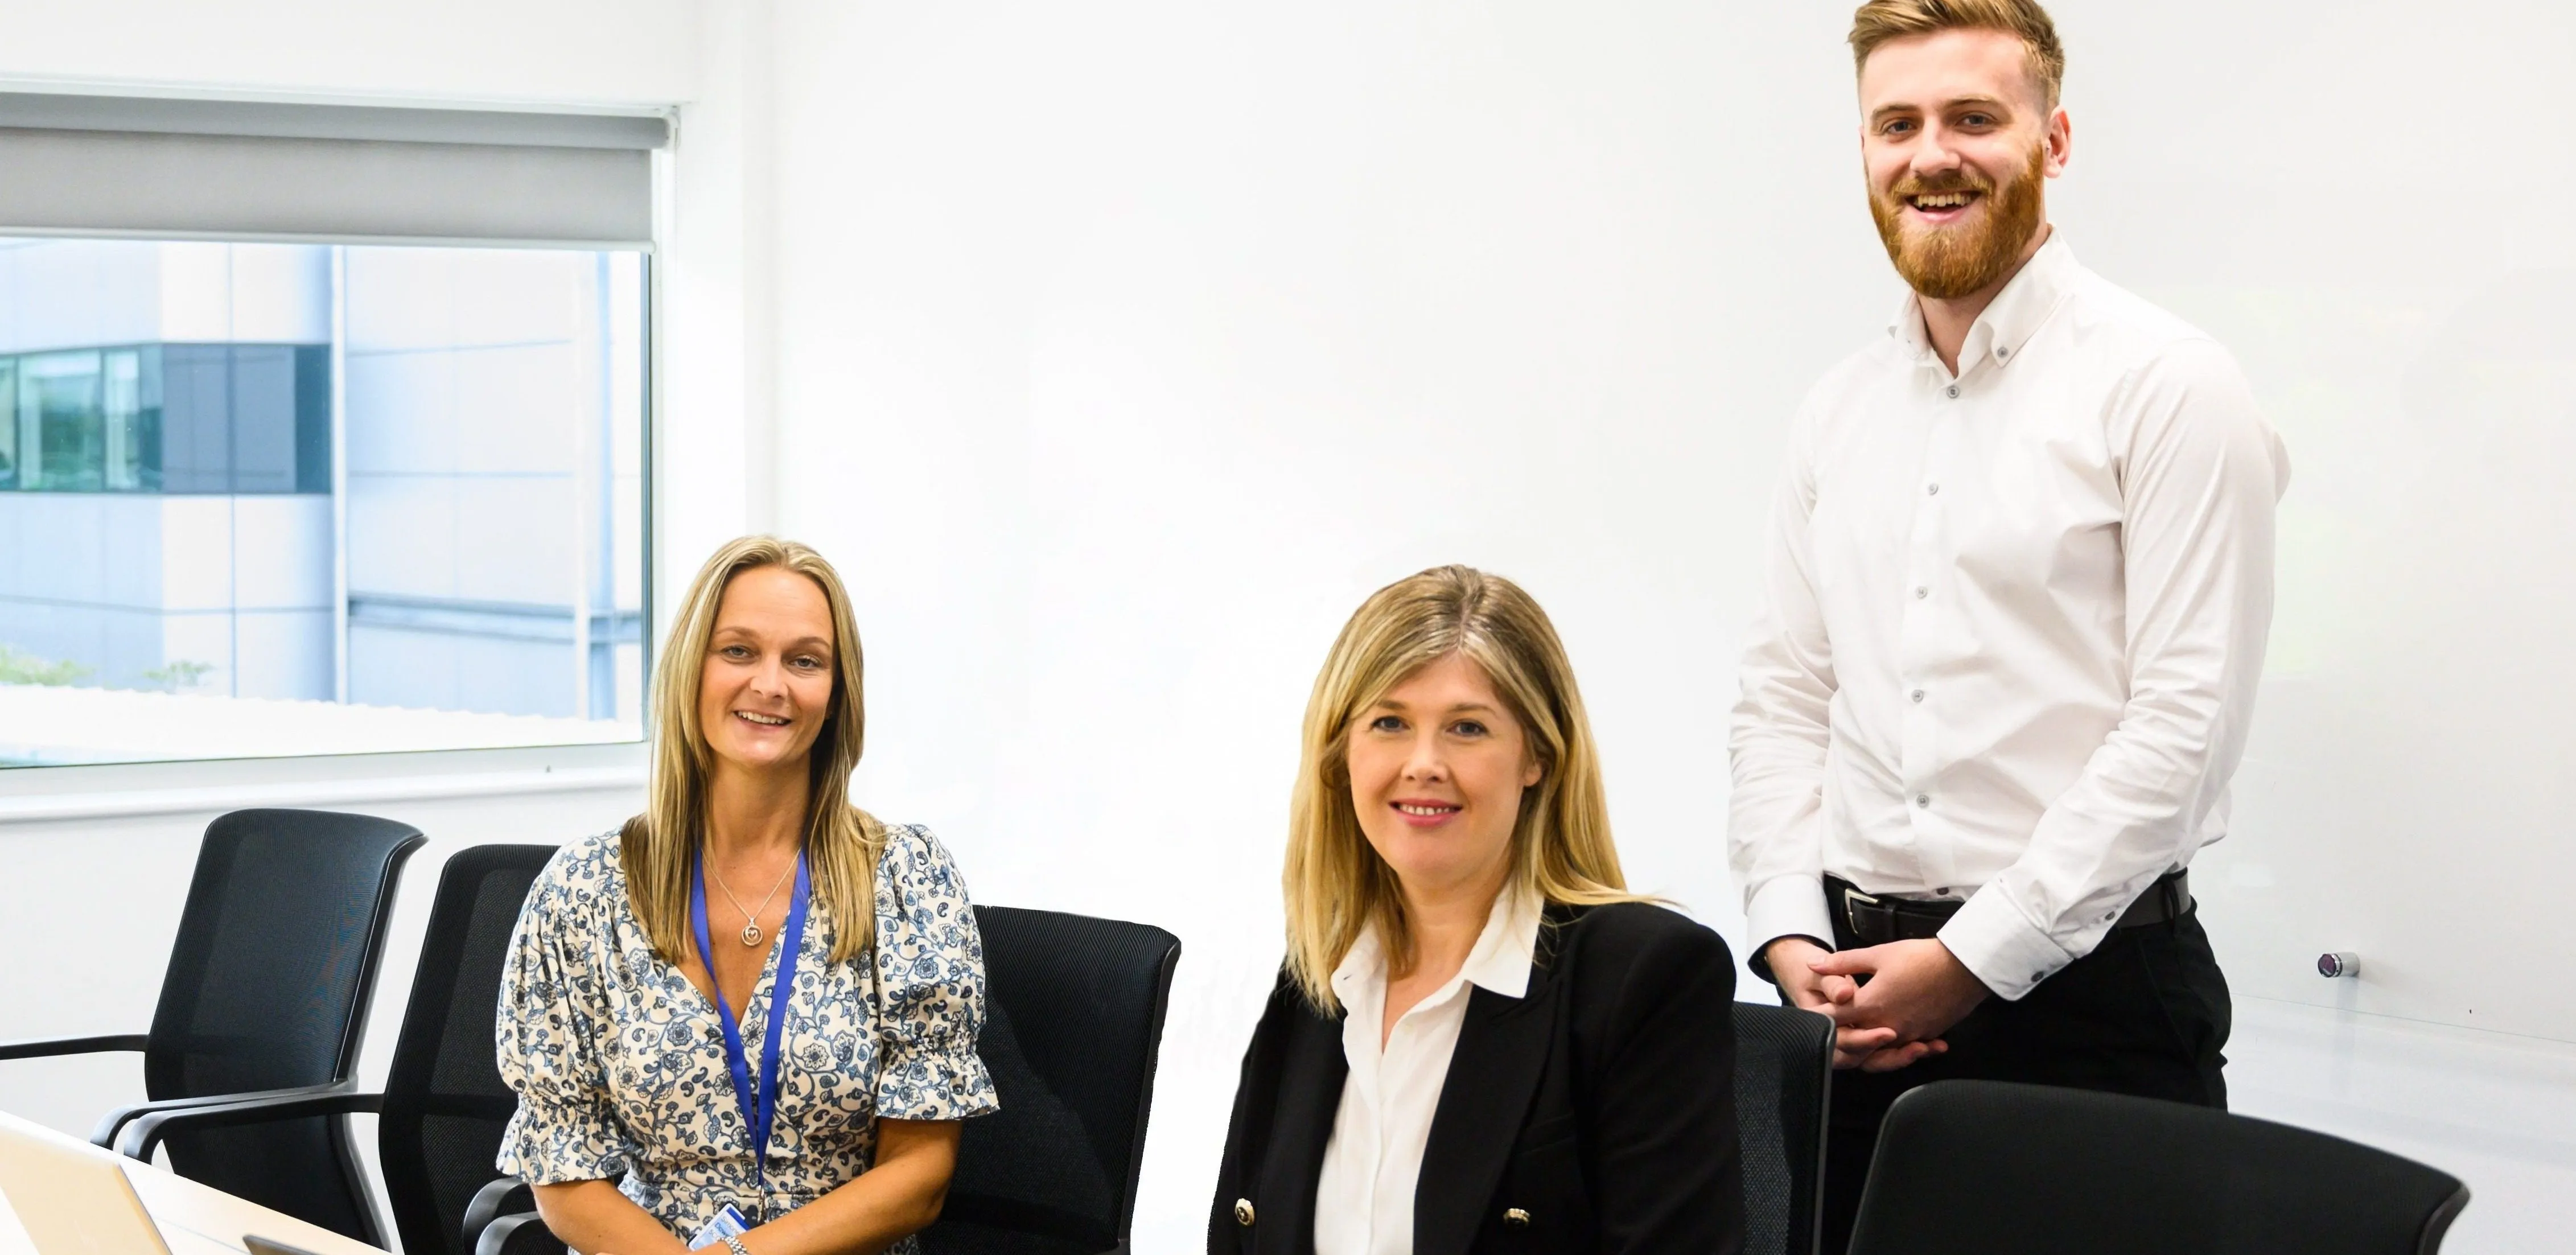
<point>1115,351</point>
<point>571,51</point>
<point>1128,346</point>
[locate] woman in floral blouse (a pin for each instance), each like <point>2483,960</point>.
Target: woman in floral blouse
<point>637,1017</point>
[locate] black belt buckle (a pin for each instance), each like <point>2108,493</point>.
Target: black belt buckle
<point>1872,921</point>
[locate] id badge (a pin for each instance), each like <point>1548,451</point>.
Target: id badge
<point>728,1223</point>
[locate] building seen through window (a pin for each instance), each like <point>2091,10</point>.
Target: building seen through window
<point>289,499</point>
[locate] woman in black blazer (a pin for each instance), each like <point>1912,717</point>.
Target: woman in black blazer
<point>1480,1041</point>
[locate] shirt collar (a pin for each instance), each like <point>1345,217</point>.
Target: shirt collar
<point>2014,316</point>
<point>1500,960</point>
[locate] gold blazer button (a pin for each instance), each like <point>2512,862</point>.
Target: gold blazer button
<point>1243,1211</point>
<point>1516,1218</point>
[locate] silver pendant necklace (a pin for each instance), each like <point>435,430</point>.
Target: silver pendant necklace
<point>751,933</point>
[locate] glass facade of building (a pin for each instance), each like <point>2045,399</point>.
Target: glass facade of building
<point>201,527</point>
<point>184,418</point>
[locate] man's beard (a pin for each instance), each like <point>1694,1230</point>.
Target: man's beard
<point>1946,263</point>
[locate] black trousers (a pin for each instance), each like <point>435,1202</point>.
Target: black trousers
<point>2146,1013</point>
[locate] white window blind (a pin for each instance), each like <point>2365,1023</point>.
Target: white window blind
<point>246,170</point>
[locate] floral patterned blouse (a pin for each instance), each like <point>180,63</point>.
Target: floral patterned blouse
<point>619,1062</point>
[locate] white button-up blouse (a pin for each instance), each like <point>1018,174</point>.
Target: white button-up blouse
<point>620,1066</point>
<point>2011,622</point>
<point>1364,1193</point>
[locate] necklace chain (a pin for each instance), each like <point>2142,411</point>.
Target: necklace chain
<point>750,929</point>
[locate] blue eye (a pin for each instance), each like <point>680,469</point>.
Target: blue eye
<point>1386,723</point>
<point>1468,727</point>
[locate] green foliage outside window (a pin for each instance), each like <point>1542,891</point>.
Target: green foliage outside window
<point>180,674</point>
<point>20,667</point>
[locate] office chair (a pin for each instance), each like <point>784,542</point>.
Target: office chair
<point>267,991</point>
<point>1072,1026</point>
<point>1073,1019</point>
<point>444,1106</point>
<point>1784,1068</point>
<point>1997,1169</point>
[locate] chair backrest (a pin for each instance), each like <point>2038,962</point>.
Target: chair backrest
<point>268,988</point>
<point>1073,1020</point>
<point>1994,1168</point>
<point>1784,1068</point>
<point>445,1104</point>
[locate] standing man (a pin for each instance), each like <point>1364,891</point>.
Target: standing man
<point>2015,594</point>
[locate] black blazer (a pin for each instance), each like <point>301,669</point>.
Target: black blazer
<point>1600,1107</point>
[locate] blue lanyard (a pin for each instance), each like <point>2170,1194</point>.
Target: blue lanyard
<point>759,1107</point>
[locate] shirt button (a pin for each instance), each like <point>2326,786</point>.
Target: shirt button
<point>2038,976</point>
<point>2001,354</point>
<point>1921,593</point>
<point>1918,695</point>
<point>1923,800</point>
<point>1931,490</point>
<point>1953,390</point>
<point>1243,1211</point>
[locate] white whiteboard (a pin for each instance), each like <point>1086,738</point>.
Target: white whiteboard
<point>2372,205</point>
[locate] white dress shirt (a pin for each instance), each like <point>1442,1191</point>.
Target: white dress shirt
<point>1364,1196</point>
<point>2011,623</point>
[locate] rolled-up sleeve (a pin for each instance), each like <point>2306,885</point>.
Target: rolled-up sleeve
<point>930,977</point>
<point>546,1039</point>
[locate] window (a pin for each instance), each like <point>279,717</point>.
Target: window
<point>280,495</point>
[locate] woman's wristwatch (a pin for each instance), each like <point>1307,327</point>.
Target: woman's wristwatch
<point>733,1242</point>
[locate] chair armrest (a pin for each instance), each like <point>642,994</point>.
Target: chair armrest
<point>104,1135</point>
<point>71,1046</point>
<point>506,1196</point>
<point>145,1131</point>
<point>522,1234</point>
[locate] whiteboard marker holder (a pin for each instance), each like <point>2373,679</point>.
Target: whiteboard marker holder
<point>2337,964</point>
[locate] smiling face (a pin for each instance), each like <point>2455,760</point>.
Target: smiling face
<point>1957,138</point>
<point>767,684</point>
<point>1437,767</point>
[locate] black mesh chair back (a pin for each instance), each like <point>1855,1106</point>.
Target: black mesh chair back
<point>1999,1169</point>
<point>444,1104</point>
<point>1784,1068</point>
<point>1073,1023</point>
<point>267,989</point>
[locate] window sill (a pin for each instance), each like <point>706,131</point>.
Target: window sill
<point>54,794</point>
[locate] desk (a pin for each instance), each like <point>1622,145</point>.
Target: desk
<point>197,1219</point>
<point>202,1220</point>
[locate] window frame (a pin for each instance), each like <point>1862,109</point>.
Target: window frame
<point>60,791</point>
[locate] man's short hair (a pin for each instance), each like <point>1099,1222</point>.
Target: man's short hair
<point>1878,21</point>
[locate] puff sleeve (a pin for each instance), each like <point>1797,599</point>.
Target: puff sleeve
<point>930,980</point>
<point>547,1039</point>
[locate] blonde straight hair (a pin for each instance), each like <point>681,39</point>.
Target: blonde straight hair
<point>842,842</point>
<point>1335,883</point>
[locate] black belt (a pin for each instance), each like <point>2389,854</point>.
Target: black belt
<point>1877,920</point>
